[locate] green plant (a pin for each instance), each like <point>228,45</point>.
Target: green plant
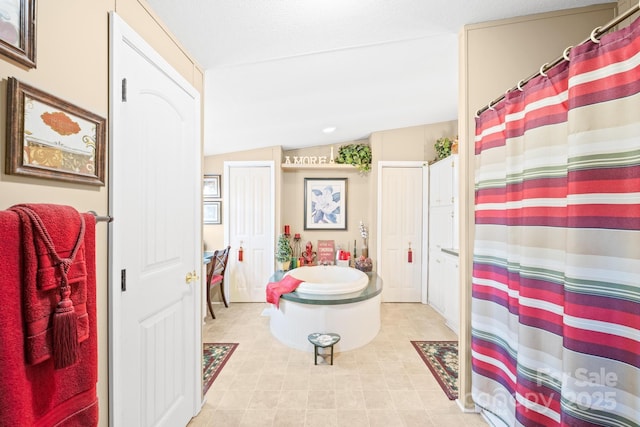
<point>443,147</point>
<point>283,250</point>
<point>358,155</point>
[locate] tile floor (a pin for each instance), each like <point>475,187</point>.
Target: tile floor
<point>384,383</point>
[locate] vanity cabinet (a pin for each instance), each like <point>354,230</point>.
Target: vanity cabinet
<point>443,282</point>
<point>452,290</point>
<point>436,277</point>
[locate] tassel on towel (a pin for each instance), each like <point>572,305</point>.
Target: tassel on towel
<point>65,321</point>
<point>65,335</point>
<point>65,326</point>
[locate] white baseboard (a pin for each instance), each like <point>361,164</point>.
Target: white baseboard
<point>474,410</point>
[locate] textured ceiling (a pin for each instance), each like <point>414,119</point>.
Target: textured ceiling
<point>280,71</point>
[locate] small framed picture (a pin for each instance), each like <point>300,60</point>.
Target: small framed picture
<point>47,137</point>
<point>325,203</point>
<point>212,213</point>
<point>211,187</point>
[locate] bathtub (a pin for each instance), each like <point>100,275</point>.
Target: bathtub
<point>329,280</point>
<point>329,301</point>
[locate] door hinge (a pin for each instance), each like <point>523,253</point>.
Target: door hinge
<point>124,90</point>
<point>123,280</point>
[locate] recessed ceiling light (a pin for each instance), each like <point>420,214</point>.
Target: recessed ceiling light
<point>329,129</point>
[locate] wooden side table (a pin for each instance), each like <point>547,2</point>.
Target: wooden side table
<point>322,340</point>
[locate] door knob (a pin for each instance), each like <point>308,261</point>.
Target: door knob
<point>192,276</point>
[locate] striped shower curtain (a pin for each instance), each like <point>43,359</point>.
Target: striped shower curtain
<point>556,276</point>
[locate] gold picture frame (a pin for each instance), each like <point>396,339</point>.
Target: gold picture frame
<point>48,137</point>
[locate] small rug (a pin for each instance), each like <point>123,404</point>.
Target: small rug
<point>214,357</point>
<point>441,358</point>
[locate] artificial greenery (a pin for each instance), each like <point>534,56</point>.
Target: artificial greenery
<point>283,251</point>
<point>443,147</point>
<point>358,155</point>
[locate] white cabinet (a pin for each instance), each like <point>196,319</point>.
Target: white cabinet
<point>435,294</point>
<point>443,283</point>
<point>451,283</point>
<point>443,188</point>
<point>441,227</point>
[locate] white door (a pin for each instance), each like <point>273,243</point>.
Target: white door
<point>402,224</point>
<point>154,198</point>
<point>250,213</point>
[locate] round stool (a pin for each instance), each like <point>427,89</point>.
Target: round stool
<point>322,340</point>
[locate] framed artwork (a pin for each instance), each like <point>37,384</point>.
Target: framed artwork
<point>211,187</point>
<point>325,203</point>
<point>48,137</point>
<point>18,31</point>
<point>212,213</point>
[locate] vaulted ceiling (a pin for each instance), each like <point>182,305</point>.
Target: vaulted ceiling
<point>278,72</point>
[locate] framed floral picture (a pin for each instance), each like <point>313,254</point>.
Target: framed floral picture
<point>48,137</point>
<point>212,212</point>
<point>211,187</point>
<point>325,203</point>
<point>18,31</point>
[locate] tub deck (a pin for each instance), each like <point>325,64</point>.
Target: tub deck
<point>373,288</point>
<point>355,317</point>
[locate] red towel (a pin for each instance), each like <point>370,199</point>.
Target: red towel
<point>41,277</point>
<point>275,289</point>
<point>39,395</point>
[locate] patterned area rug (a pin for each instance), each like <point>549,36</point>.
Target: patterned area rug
<point>441,358</point>
<point>214,358</point>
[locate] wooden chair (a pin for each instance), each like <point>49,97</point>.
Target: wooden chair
<point>215,275</point>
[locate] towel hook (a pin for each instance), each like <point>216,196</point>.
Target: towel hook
<point>593,35</point>
<point>101,218</point>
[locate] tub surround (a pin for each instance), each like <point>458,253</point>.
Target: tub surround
<point>355,316</point>
<point>329,280</point>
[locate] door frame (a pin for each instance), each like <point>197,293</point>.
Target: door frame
<point>425,216</point>
<point>272,210</point>
<point>120,33</point>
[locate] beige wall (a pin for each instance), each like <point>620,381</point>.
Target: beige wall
<point>494,56</point>
<point>293,198</point>
<point>72,63</point>
<point>623,6</point>
<point>407,144</point>
<point>213,235</point>
<point>414,143</point>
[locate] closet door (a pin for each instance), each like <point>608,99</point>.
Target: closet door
<point>155,349</point>
<point>402,222</point>
<point>250,223</point>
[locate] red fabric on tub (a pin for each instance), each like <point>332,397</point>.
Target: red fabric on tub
<point>39,395</point>
<point>275,289</point>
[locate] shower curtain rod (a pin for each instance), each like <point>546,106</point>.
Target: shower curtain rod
<point>101,218</point>
<point>594,36</point>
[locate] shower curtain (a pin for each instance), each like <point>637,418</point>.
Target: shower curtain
<point>556,276</point>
